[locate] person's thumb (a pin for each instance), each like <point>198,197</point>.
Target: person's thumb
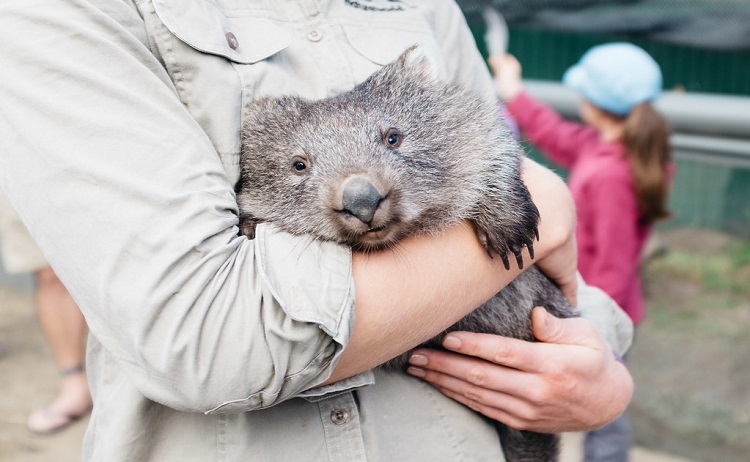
<point>573,331</point>
<point>545,327</point>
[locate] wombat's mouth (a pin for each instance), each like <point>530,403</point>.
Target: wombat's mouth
<point>377,238</point>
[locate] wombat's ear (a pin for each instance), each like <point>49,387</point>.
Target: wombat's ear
<point>416,62</point>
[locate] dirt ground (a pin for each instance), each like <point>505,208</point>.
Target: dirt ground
<point>691,358</point>
<point>28,379</point>
<point>691,364</point>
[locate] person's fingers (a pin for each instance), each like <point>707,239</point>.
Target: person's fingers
<point>505,351</point>
<point>476,378</point>
<point>568,380</point>
<point>572,331</point>
<point>496,63</point>
<point>548,386</point>
<point>520,415</point>
<point>452,370</point>
<point>484,390</point>
<point>504,64</point>
<point>525,408</point>
<point>507,414</point>
<point>537,357</point>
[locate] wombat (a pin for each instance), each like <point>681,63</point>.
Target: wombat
<point>402,153</point>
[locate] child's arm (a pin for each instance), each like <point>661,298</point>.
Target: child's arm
<point>561,140</point>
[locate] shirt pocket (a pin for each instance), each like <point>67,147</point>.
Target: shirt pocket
<point>382,40</point>
<point>201,45</point>
<point>243,37</point>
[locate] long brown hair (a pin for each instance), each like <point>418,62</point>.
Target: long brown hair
<point>646,137</point>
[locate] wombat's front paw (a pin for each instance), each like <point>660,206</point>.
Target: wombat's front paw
<point>500,242</point>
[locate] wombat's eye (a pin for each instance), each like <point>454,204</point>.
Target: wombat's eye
<point>393,138</point>
<point>300,165</point>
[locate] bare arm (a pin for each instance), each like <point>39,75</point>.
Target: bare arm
<point>412,293</point>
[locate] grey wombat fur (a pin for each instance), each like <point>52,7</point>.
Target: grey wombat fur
<point>401,153</point>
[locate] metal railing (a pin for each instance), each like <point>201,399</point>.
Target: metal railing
<point>706,127</point>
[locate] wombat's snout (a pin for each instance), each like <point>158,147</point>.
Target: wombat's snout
<point>359,197</point>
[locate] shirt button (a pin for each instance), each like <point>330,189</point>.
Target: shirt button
<point>314,35</point>
<point>339,416</point>
<point>232,41</point>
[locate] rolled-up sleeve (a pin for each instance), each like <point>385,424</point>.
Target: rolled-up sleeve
<point>129,202</point>
<point>612,323</point>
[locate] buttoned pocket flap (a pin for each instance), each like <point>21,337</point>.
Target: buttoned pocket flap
<point>203,26</point>
<point>382,45</point>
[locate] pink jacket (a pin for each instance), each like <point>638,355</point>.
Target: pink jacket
<point>609,233</point>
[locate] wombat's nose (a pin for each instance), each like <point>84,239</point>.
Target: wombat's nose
<point>360,198</point>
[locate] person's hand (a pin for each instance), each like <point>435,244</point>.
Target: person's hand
<point>568,381</point>
<point>507,72</point>
<point>561,266</point>
<point>555,203</point>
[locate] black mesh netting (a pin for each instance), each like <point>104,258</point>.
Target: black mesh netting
<point>716,24</point>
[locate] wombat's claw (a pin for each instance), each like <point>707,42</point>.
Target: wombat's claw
<point>519,257</point>
<point>504,257</point>
<point>530,246</point>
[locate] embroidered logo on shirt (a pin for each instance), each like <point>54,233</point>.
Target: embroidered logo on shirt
<point>376,5</point>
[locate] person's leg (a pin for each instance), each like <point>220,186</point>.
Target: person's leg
<point>611,443</point>
<point>65,330</point>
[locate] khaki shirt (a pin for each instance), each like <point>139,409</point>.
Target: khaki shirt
<point>18,251</point>
<point>119,139</point>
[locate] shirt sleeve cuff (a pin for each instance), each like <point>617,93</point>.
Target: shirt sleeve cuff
<point>311,280</point>
<point>342,386</point>
<point>610,320</point>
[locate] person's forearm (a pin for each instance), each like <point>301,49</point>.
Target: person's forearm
<point>410,294</point>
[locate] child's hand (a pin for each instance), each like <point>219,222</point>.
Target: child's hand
<point>507,71</point>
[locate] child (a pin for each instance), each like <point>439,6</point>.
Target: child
<point>619,165</point>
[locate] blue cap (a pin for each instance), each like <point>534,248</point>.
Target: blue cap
<point>616,77</point>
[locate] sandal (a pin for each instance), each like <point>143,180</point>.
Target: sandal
<point>48,420</point>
